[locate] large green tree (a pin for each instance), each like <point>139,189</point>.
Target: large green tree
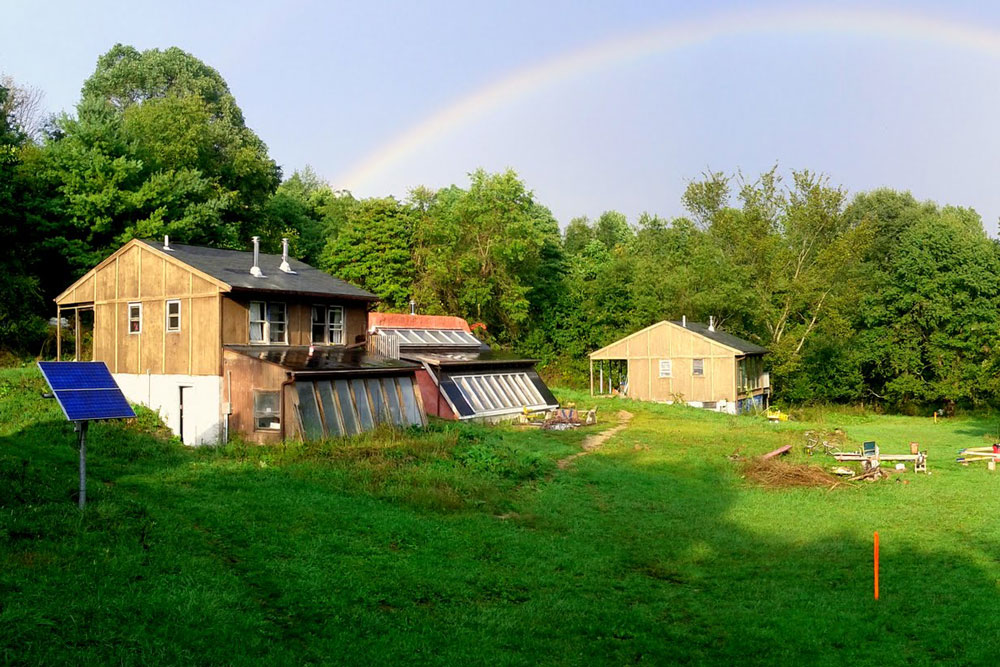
<point>20,296</point>
<point>486,252</point>
<point>374,250</point>
<point>158,146</point>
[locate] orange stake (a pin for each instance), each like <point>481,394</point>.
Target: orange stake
<point>876,565</point>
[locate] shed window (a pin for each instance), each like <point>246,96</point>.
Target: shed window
<point>666,368</point>
<point>328,325</point>
<point>318,324</point>
<point>266,410</point>
<point>697,367</point>
<point>257,322</point>
<point>335,324</point>
<point>135,318</point>
<point>268,322</point>
<point>277,322</point>
<point>173,315</point>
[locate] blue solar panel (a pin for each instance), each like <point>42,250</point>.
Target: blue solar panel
<point>85,390</point>
<point>77,375</point>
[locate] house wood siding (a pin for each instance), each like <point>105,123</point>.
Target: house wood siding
<point>644,349</point>
<point>136,274</point>
<point>245,375</point>
<point>236,318</point>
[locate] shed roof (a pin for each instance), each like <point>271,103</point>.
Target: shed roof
<point>735,343</point>
<point>233,268</point>
<point>729,340</point>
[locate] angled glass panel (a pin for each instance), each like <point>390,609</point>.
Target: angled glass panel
<point>456,396</point>
<point>347,413</point>
<point>380,411</point>
<point>437,336</point>
<point>483,394</point>
<point>392,397</point>
<point>410,408</point>
<point>503,392</point>
<point>492,389</point>
<point>312,427</point>
<point>404,336</point>
<point>514,390</point>
<point>362,403</point>
<point>469,393</point>
<point>330,417</point>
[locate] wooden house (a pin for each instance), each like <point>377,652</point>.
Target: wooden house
<point>687,362</point>
<point>459,376</point>
<point>225,341</point>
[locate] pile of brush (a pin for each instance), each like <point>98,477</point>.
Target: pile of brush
<point>776,474</point>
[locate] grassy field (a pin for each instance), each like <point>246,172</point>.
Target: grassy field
<point>467,544</point>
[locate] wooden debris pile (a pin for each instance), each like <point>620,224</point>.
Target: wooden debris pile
<point>775,474</point>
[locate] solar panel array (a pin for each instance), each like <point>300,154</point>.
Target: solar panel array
<point>434,337</point>
<point>85,390</point>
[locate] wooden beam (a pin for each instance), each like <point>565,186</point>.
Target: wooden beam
<point>77,337</point>
<point>58,333</point>
<point>591,377</point>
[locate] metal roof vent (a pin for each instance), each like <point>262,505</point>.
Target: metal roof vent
<point>711,323</point>
<point>684,321</point>
<point>285,266</point>
<point>413,307</point>
<point>166,243</point>
<point>255,269</point>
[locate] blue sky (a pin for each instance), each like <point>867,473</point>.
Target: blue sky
<point>331,84</point>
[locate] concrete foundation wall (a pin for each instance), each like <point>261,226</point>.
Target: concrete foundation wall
<point>162,393</point>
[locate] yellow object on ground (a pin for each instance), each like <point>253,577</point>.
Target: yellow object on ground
<point>776,416</point>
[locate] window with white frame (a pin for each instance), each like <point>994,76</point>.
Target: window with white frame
<point>258,321</point>
<point>135,318</point>
<point>335,325</point>
<point>173,315</point>
<point>268,322</point>
<point>697,367</point>
<point>328,325</point>
<point>666,368</point>
<point>266,410</point>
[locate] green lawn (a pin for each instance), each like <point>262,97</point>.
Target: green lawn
<point>468,545</point>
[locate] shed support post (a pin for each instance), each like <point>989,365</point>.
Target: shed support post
<point>76,338</point>
<point>58,333</point>
<point>591,377</point>
<point>602,376</point>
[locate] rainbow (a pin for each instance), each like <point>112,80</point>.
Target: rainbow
<point>664,39</point>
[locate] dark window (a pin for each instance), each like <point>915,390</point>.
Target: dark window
<point>697,367</point>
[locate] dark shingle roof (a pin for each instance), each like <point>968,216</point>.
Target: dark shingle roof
<point>744,346</point>
<point>233,267</point>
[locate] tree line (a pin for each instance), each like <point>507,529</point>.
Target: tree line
<point>875,297</point>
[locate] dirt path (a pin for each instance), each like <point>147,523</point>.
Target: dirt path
<point>594,441</point>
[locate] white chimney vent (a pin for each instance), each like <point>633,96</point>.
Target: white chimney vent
<point>413,307</point>
<point>684,321</point>
<point>166,243</point>
<point>255,269</point>
<point>285,266</point>
<point>711,323</point>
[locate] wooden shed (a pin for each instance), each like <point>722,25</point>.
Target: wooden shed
<point>681,361</point>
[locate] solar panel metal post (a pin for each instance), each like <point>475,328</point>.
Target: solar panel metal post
<point>81,428</point>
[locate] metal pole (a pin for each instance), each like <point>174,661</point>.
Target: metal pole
<point>82,427</point>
